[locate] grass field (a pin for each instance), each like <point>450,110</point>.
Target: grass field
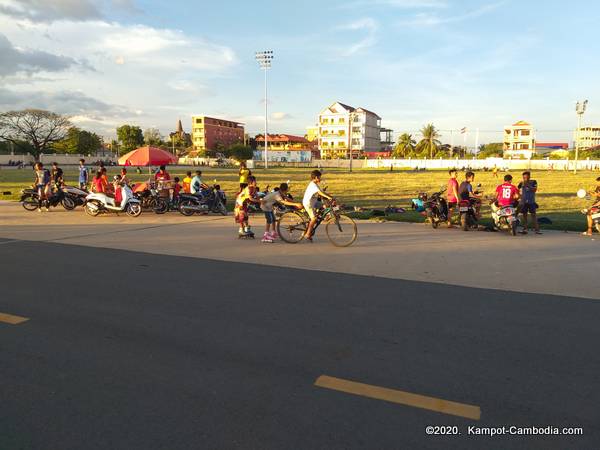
<point>371,188</point>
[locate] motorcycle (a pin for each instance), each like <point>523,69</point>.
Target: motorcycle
<point>97,203</point>
<point>77,195</point>
<point>210,200</point>
<point>434,207</point>
<point>505,217</point>
<point>30,199</point>
<point>469,212</point>
<point>595,213</point>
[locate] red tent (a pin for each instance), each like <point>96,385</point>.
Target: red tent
<point>148,156</point>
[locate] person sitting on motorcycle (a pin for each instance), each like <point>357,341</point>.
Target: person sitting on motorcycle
<point>507,194</point>
<point>117,183</point>
<point>99,183</point>
<point>124,179</point>
<point>595,193</point>
<point>197,184</point>
<point>465,192</point>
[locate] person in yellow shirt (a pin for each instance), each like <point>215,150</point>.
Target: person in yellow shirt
<point>244,173</point>
<point>187,182</point>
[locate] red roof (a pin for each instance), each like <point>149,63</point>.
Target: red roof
<point>552,144</point>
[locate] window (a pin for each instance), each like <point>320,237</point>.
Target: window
<point>342,120</point>
<point>524,132</point>
<point>198,120</point>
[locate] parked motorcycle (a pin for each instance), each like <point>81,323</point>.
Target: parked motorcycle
<point>436,208</point>
<point>211,200</point>
<point>595,212</point>
<point>505,217</point>
<point>30,199</point>
<point>97,203</point>
<point>77,195</point>
<point>469,212</point>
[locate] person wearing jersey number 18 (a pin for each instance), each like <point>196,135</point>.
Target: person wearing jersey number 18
<point>507,193</point>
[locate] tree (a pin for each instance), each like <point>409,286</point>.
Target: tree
<point>38,128</point>
<point>239,152</point>
<point>130,137</point>
<point>79,141</point>
<point>493,149</point>
<point>428,146</point>
<point>405,146</point>
<point>152,136</point>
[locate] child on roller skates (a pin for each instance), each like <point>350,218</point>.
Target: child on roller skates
<point>246,195</point>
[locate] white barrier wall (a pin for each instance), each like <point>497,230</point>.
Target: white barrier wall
<point>479,164</point>
<point>61,159</point>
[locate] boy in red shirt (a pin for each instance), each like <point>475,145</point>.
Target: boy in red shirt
<point>176,189</point>
<point>507,193</point>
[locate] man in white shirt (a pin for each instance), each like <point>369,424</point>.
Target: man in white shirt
<point>311,196</point>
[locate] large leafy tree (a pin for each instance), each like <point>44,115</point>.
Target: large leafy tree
<point>429,144</point>
<point>37,128</point>
<point>490,150</point>
<point>78,141</point>
<point>152,136</point>
<point>239,152</point>
<point>405,146</point>
<point>130,137</point>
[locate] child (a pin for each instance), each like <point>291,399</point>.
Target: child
<point>311,196</point>
<point>246,195</point>
<point>176,190</point>
<point>187,182</point>
<point>266,204</point>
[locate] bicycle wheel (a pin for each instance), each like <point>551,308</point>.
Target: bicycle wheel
<point>291,227</point>
<point>341,230</point>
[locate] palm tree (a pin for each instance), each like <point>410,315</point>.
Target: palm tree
<point>430,142</point>
<point>405,145</point>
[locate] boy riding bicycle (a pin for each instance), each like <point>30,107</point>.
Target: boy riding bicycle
<point>311,197</point>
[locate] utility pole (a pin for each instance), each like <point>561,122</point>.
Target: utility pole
<point>580,110</point>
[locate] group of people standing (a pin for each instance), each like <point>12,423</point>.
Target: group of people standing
<point>506,194</point>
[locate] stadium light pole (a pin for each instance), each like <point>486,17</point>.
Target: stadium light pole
<point>265,59</point>
<point>580,110</point>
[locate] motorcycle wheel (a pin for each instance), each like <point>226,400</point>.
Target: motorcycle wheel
<point>92,208</point>
<point>30,203</point>
<point>464,221</point>
<point>186,212</point>
<point>161,206</point>
<point>68,203</point>
<point>133,209</point>
<point>221,209</point>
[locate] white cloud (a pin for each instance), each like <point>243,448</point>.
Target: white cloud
<point>48,11</point>
<point>280,116</point>
<point>367,25</point>
<point>427,19</point>
<point>138,67</point>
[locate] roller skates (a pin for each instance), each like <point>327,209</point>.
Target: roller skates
<point>245,233</point>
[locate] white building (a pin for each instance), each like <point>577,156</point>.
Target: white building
<point>519,140</point>
<point>588,137</point>
<point>345,130</point>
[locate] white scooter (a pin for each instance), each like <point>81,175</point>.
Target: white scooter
<point>97,203</point>
<point>505,218</point>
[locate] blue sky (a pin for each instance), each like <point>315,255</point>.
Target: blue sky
<point>479,64</point>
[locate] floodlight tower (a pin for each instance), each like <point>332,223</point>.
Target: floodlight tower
<point>580,108</point>
<point>265,59</point>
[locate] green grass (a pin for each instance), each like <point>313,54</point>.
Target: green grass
<point>372,188</point>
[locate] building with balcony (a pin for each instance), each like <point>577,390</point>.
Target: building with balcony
<point>345,130</point>
<point>209,134</point>
<point>587,137</point>
<point>519,140</point>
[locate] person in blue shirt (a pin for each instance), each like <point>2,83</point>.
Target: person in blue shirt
<point>83,175</point>
<point>197,184</point>
<point>528,205</point>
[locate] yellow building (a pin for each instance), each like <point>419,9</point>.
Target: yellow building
<point>588,137</point>
<point>519,140</point>
<point>312,133</point>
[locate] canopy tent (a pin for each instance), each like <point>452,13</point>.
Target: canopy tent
<point>148,156</point>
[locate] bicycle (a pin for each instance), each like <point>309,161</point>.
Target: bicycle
<point>341,230</point>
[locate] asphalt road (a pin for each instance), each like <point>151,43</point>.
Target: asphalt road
<point>126,350</point>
